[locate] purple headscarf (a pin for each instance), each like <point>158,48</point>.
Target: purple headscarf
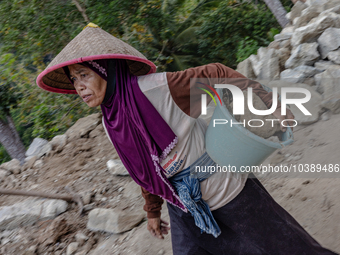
<point>138,132</point>
<point>140,135</point>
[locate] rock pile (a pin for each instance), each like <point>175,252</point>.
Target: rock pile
<point>85,160</point>
<point>305,54</point>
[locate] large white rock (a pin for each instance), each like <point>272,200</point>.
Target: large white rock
<point>330,81</point>
<point>312,31</point>
<point>313,105</point>
<point>335,9</point>
<point>329,41</point>
<point>297,9</point>
<point>316,2</point>
<point>334,56</point>
<point>323,65</point>
<point>116,167</point>
<point>35,147</point>
<point>299,74</point>
<point>255,62</point>
<point>330,4</point>
<point>288,30</point>
<point>282,37</point>
<point>266,63</point>
<point>325,4</point>
<point>245,68</point>
<point>306,16</point>
<point>29,212</point>
<point>304,54</point>
<point>114,220</point>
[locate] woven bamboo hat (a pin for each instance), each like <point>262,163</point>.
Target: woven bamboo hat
<point>92,43</point>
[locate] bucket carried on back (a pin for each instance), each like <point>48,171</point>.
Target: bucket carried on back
<point>235,145</point>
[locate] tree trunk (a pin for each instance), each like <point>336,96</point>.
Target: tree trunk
<point>10,139</point>
<point>279,12</point>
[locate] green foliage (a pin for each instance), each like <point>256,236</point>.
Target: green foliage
<point>235,24</point>
<point>4,157</point>
<point>174,34</point>
<point>272,32</point>
<point>9,93</point>
<point>245,48</point>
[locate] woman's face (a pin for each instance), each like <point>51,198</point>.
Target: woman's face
<point>89,85</point>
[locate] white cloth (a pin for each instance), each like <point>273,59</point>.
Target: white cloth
<point>220,188</point>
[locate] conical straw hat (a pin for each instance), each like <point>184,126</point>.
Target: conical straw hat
<point>91,44</point>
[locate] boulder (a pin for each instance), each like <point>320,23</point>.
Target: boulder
<point>116,167</point>
<point>81,238</point>
<point>274,45</point>
<point>332,104</point>
<point>12,166</point>
<point>304,54</point>
<point>330,81</point>
<point>299,74</point>
<point>282,37</point>
<point>245,68</point>
<point>269,64</point>
<point>3,174</point>
<point>29,212</point>
<point>58,142</point>
<point>334,56</point>
<point>316,2</point>
<point>307,14</point>
<point>297,9</point>
<point>35,147</point>
<point>286,44</point>
<point>29,163</point>
<point>45,150</point>
<point>323,65</point>
<point>283,55</point>
<point>335,9</point>
<point>329,41</point>
<point>325,4</point>
<point>288,30</point>
<point>312,31</point>
<point>83,127</point>
<point>72,248</point>
<point>255,63</point>
<point>313,105</point>
<point>330,4</point>
<point>114,220</point>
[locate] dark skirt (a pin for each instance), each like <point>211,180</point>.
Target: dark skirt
<point>252,223</point>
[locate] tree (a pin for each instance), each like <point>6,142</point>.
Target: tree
<point>9,97</point>
<point>174,34</point>
<point>234,31</point>
<point>278,10</point>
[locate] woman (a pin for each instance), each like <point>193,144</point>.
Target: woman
<point>159,138</point>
